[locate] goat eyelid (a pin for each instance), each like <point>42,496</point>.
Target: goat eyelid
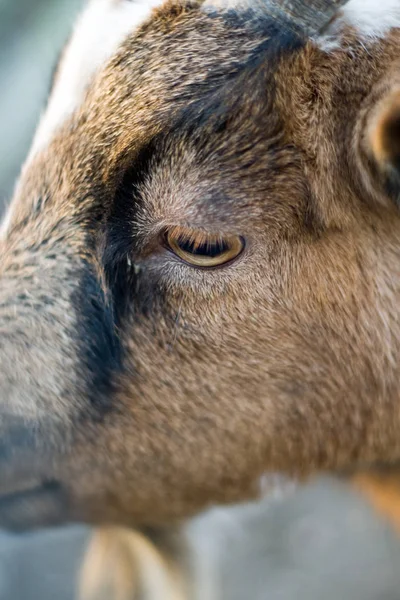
<point>202,249</point>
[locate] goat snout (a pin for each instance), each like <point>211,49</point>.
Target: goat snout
<point>44,504</point>
<point>50,364</point>
<point>28,496</point>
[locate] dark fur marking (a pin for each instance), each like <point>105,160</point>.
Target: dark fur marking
<point>121,244</point>
<point>99,346</point>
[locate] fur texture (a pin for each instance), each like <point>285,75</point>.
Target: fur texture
<point>98,34</point>
<point>137,389</point>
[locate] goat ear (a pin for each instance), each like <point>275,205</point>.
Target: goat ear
<point>382,141</point>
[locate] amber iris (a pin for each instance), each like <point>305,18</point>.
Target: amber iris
<point>203,249</point>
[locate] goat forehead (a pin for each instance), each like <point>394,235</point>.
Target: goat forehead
<point>179,57</point>
<point>144,87</point>
<point>99,35</point>
<point>105,24</point>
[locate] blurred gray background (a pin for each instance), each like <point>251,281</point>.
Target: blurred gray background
<point>323,542</point>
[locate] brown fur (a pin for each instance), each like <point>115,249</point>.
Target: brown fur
<point>138,390</point>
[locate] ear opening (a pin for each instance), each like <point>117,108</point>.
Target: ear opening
<point>382,140</point>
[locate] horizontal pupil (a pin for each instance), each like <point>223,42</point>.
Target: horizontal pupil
<point>209,249</point>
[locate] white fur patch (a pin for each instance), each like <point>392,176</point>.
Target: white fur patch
<point>5,223</point>
<point>372,18</point>
<point>105,24</point>
<point>99,32</point>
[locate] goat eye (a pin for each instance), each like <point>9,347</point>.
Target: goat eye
<point>202,249</point>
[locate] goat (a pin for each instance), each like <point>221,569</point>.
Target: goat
<point>200,272</point>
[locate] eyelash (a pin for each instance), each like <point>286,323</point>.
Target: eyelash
<point>201,249</point>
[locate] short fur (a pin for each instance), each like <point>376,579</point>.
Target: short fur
<point>138,390</point>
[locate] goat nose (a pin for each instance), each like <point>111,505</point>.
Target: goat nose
<point>32,378</point>
<point>29,494</point>
<point>32,455</point>
<point>30,421</point>
<point>42,505</point>
<point>57,345</point>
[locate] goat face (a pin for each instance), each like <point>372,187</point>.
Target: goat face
<point>200,272</point>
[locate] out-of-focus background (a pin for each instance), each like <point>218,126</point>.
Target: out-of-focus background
<point>321,543</point>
